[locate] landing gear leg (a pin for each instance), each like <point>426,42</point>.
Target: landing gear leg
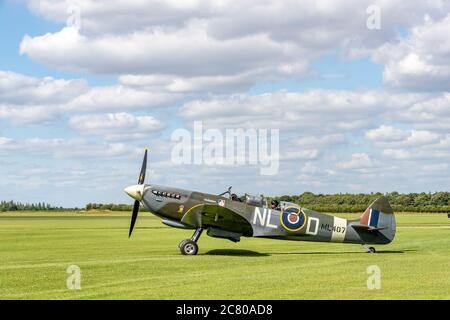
<point>369,249</point>
<point>189,246</point>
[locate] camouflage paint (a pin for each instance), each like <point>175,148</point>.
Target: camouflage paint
<point>229,219</point>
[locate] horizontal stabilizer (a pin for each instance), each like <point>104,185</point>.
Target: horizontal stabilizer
<point>366,227</point>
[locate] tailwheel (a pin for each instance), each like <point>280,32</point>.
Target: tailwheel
<point>188,247</point>
<point>369,249</point>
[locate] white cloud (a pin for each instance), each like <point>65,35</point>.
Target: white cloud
<point>198,84</point>
<point>421,60</point>
<point>391,137</point>
<point>124,16</point>
<point>398,153</point>
<point>312,114</point>
<point>421,137</point>
<point>28,114</point>
<point>288,110</point>
<point>118,97</point>
<point>16,88</point>
<point>310,168</point>
<point>424,147</point>
<point>386,133</point>
<point>300,155</point>
<point>67,148</point>
<point>430,114</point>
<point>357,161</point>
<point>212,44</point>
<point>116,125</point>
<point>189,51</point>
<point>325,140</point>
<point>30,100</point>
<point>4,141</point>
<point>435,167</point>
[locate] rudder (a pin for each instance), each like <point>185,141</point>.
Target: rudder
<point>380,216</point>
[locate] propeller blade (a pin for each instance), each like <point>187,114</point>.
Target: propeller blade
<point>137,203</point>
<point>143,169</point>
<point>134,216</point>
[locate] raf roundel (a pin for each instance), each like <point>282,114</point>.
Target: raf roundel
<point>293,219</point>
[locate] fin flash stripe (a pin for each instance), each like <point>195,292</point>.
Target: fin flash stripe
<point>373,218</point>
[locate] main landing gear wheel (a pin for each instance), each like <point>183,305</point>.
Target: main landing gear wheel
<point>189,246</point>
<point>182,243</point>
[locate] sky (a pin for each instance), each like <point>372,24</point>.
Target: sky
<point>358,91</point>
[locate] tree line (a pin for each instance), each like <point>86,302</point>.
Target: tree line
<point>19,206</point>
<point>348,202</point>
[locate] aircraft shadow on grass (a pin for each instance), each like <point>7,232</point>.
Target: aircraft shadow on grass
<point>236,252</point>
<point>337,252</point>
<point>249,253</point>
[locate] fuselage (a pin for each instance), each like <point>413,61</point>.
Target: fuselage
<point>291,223</point>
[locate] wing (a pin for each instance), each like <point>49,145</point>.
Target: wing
<point>212,215</point>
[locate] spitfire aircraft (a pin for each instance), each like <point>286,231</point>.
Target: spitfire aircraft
<point>226,216</point>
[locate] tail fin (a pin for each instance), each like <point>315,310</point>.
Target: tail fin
<point>378,208</point>
<point>379,216</point>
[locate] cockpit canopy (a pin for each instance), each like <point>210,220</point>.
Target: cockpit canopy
<point>257,201</point>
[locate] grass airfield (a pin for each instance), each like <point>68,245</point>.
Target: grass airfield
<point>36,248</point>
